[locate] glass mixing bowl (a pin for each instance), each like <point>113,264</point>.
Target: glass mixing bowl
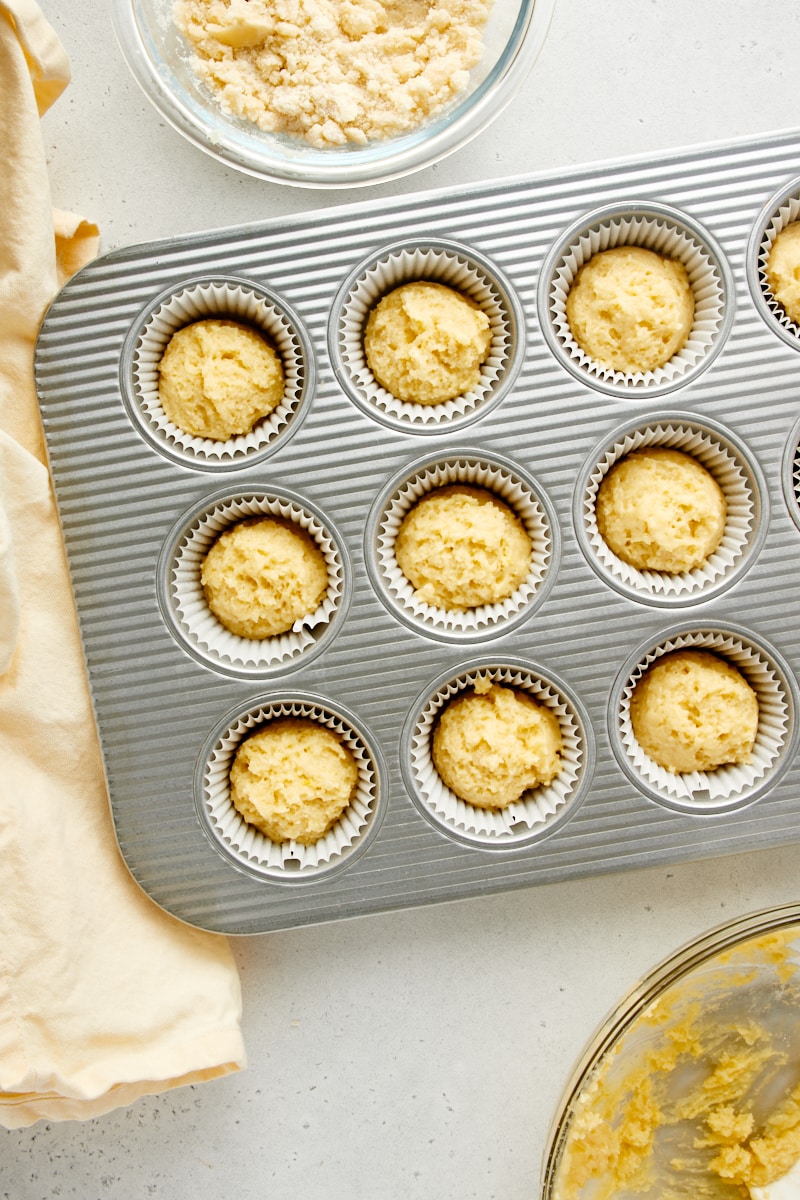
<point>658,1104</point>
<point>160,59</point>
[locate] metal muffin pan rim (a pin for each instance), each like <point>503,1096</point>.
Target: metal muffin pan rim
<point>548,422</point>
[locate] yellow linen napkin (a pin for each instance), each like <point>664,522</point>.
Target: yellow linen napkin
<point>103,997</point>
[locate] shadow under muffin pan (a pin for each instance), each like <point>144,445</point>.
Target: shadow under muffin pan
<point>456,266</point>
<point>539,811</point>
<point>727,787</point>
<point>184,605</point>
<point>244,845</point>
<point>669,233</point>
<point>509,484</point>
<point>173,693</point>
<point>733,468</point>
<point>222,298</point>
<point>780,210</point>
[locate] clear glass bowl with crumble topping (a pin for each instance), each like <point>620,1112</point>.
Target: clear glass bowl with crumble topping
<point>343,94</point>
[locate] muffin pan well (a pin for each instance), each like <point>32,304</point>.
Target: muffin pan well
<point>173,697</point>
<point>501,480</point>
<point>204,298</point>
<point>730,465</point>
<point>453,265</point>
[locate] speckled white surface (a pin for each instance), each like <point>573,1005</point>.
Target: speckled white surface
<point>419,1054</point>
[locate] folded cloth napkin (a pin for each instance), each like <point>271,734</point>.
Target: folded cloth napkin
<point>103,997</point>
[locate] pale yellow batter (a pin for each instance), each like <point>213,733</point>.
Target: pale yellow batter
<point>217,378</point>
<point>692,710</point>
<point>262,575</point>
<point>631,309</point>
<point>293,778</point>
<point>461,547</point>
<point>660,510</point>
<point>493,743</point>
<point>425,343</point>
<point>783,270</point>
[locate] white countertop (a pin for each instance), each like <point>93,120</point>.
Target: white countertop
<point>422,1053</point>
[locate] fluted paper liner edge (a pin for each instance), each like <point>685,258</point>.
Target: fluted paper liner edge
<point>724,464</point>
<point>733,782</point>
<point>198,624</point>
<point>504,484</point>
<point>453,269</point>
<point>539,807</point>
<point>211,300</point>
<point>660,233</point>
<point>247,843</point>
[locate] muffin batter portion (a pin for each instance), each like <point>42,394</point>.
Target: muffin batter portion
<point>425,343</point>
<point>217,378</point>
<point>783,270</point>
<point>661,510</point>
<point>631,309</point>
<point>461,547</point>
<point>262,575</point>
<point>293,778</point>
<point>334,71</point>
<point>492,743</point>
<point>694,711</point>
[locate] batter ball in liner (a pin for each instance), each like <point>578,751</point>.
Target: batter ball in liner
<point>461,546</point>
<point>263,574</point>
<point>218,377</point>
<point>425,342</point>
<point>631,309</point>
<point>693,710</point>
<point>783,270</point>
<point>659,509</point>
<point>293,778</point>
<point>492,743</point>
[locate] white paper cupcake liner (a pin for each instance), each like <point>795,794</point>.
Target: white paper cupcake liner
<point>666,232</point>
<point>541,810</point>
<point>246,845</point>
<point>790,473</point>
<point>781,211</point>
<point>508,484</point>
<point>443,262</point>
<point>727,787</point>
<point>184,602</point>
<point>203,299</point>
<point>738,477</point>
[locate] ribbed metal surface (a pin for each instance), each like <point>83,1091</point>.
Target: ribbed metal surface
<point>118,499</point>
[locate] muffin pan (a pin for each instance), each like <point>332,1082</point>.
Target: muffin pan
<point>136,500</point>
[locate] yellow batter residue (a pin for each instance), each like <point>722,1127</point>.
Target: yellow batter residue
<point>700,1097</point>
